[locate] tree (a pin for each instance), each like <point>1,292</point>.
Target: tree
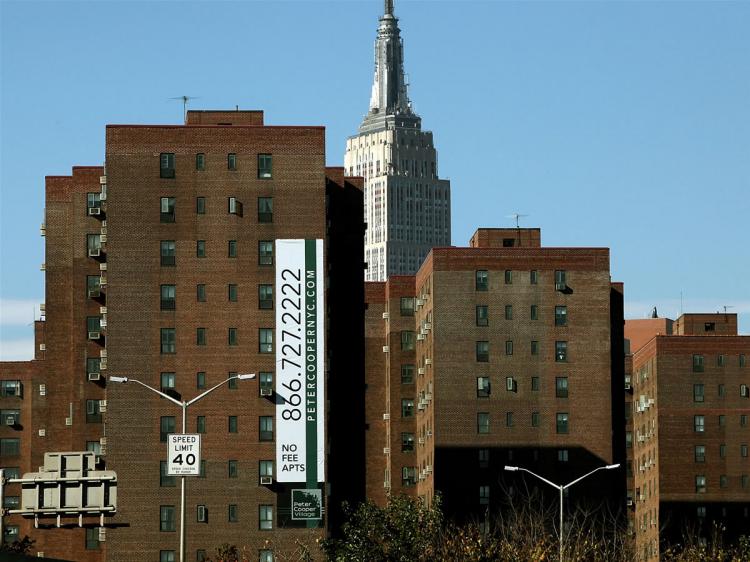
<point>19,546</point>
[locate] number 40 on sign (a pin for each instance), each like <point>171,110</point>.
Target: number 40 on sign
<point>183,454</point>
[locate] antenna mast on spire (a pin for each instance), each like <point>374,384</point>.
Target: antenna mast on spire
<point>388,7</point>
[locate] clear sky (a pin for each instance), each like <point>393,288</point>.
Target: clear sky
<point>616,124</point>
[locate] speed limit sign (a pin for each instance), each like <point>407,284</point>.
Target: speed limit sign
<point>183,454</point>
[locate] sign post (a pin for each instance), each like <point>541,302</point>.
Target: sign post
<point>183,454</point>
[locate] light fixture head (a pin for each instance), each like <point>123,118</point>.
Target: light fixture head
<point>118,379</point>
<point>511,468</point>
<point>246,376</point>
<point>611,466</point>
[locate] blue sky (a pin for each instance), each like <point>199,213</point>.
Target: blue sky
<point>617,124</point>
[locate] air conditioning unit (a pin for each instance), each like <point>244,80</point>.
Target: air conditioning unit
<point>630,502</point>
<point>386,450</point>
<point>95,335</point>
<point>428,361</point>
<point>103,406</point>
<point>43,230</point>
<point>103,194</point>
<point>42,308</point>
<point>103,441</point>
<point>103,266</point>
<point>421,440</point>
<point>266,480</point>
<point>386,316</point>
<point>10,420</point>
<point>643,497</point>
<point>429,469</point>
<point>103,322</point>
<point>103,229</point>
<point>42,390</point>
<point>102,180</point>
<point>202,514</point>
<point>95,376</point>
<point>43,267</point>
<point>651,401</point>
<point>429,433</point>
<point>420,337</point>
<point>561,286</point>
<point>103,280</point>
<point>627,386</point>
<point>42,347</point>
<point>386,416</point>
<point>428,396</point>
<point>420,302</point>
<point>102,310</point>
<point>42,433</point>
<point>386,349</point>
<point>95,252</point>
<point>68,421</point>
<point>266,391</point>
<point>102,534</point>
<point>102,353</point>
<point>428,325</point>
<point>421,406</point>
<point>94,211</point>
<point>94,293</point>
<point>103,364</point>
<point>103,238</point>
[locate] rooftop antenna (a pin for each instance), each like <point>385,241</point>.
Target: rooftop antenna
<point>185,100</point>
<point>516,216</point>
<point>727,306</point>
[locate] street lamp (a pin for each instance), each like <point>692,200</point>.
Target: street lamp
<point>184,405</point>
<point>561,489</point>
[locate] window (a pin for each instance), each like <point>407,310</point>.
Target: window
<point>200,161</point>
<point>407,407</point>
<point>482,314</point>
<point>232,513</point>
<point>535,416</point>
<point>561,387</point>
<point>265,556</point>
<point>483,387</point>
<point>167,209</point>
<point>266,517</point>
<point>10,533</point>
<point>534,347</point>
<point>265,468</point>
<point>722,391</point>
<point>510,384</point>
<point>744,480</point>
<point>232,292</point>
<point>93,323</point>
<point>743,450</point>
<point>91,446</point>
<point>200,248</point>
<point>722,451</point>
<point>407,374</point>
<point>509,347</point>
<point>698,393</point>
<point>93,365</point>
<point>265,166</point>
<point>408,476</point>
<point>562,455</point>
<point>232,336</point>
<point>265,209</point>
<point>742,359</point>
<point>407,306</point>
<point>165,480</point>
<point>266,380</point>
<point>484,495</point>
<point>94,200</point>
<point>508,419</point>
<point>93,411</point>
<point>168,297</point>
<point>483,422</point>
<point>481,280</point>
<point>166,556</point>
<point>200,424</point>
<point>167,381</point>
<point>200,291</point>
<point>560,281</point>
<point>93,286</point>
<point>232,424</point>
<point>265,297</point>
<point>722,420</point>
<point>509,242</point>
<point>231,161</point>
<point>202,470</point>
<point>166,518</point>
<point>234,207</point>
<point>700,453</point>
<point>92,538</point>
<point>483,351</point>
<point>10,447</point>
<point>484,458</point>
<point>232,248</point>
<point>723,481</point>
<point>201,337</point>
<point>721,360</point>
<point>408,340</point>
<point>232,377</point>
<point>534,313</point>
<point>743,420</point>
<point>10,388</point>
<point>167,248</point>
<point>697,363</point>
<point>265,340</point>
<point>166,165</point>
<point>744,391</point>
<point>407,442</point>
<point>166,426</point>
<point>266,428</point>
<point>700,484</point>
<point>265,252</point>
<point>508,277</point>
<point>200,379</point>
<point>535,384</point>
<point>561,351</point>
<point>93,244</point>
<point>562,422</point>
<point>561,316</point>
<point>699,424</point>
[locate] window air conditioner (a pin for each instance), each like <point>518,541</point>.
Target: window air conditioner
<point>10,420</point>
<point>94,293</point>
<point>560,286</point>
<point>103,238</point>
<point>266,391</point>
<point>420,371</point>
<point>95,376</point>
<point>421,440</point>
<point>95,335</point>
<point>428,325</point>
<point>94,211</point>
<point>386,349</point>
<point>428,361</point>
<point>102,534</point>
<point>386,450</point>
<point>103,406</point>
<point>386,316</point>
<point>102,180</point>
<point>266,480</point>
<point>386,416</point>
<point>630,502</point>
<point>103,266</point>
<point>95,252</point>
<point>420,337</point>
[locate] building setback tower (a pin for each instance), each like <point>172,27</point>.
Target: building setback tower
<point>407,207</point>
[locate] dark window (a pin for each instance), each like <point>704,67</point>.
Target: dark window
<point>483,387</point>
<point>509,347</point>
<point>533,277</point>
<point>700,453</point>
<point>562,455</point>
<point>93,411</point>
<point>167,519</point>
<point>232,249</point>
<point>535,383</point>
<point>231,161</point>
<point>407,374</point>
<point>709,326</point>
<point>697,363</point>
<point>534,347</point>
<point>561,316</point>
<point>232,513</point>
<point>535,419</point>
<point>265,209</point>
<point>167,249</point>
<point>482,280</point>
<point>202,470</point>
<point>509,312</point>
<point>166,165</point>
<point>483,422</point>
<point>408,340</point>
<point>200,205</point>
<point>266,428</point>
<point>265,166</point>
<point>483,351</point>
<point>167,209</point>
<point>232,292</point>
<point>232,336</point>
<point>508,277</point>
<point>482,315</point>
<point>93,201</point>
<point>164,479</point>
<point>200,424</point>
<point>92,538</point>
<point>266,380</point>
<point>509,242</point>
<point>265,340</point>
<point>232,427</point>
<point>232,377</point>
<point>561,387</point>
<point>407,306</point>
<point>700,485</point>
<point>10,447</point>
<point>484,458</point>
<point>93,286</point>
<point>232,470</point>
<point>560,281</point>
<point>93,324</point>
<point>168,297</point>
<point>534,312</point>
<point>200,248</point>
<point>200,161</point>
<point>562,422</point>
<point>201,337</point>
<point>200,379</point>
<point>265,517</point>
<point>201,292</point>
<point>407,407</point>
<point>265,252</point>
<point>561,351</point>
<point>721,360</point>
<point>723,482</point>
<point>166,426</point>
<point>407,442</point>
<point>508,419</point>
<point>93,365</point>
<point>722,391</point>
<point>167,381</point>
<point>234,206</point>
<point>698,393</point>
<point>265,297</point>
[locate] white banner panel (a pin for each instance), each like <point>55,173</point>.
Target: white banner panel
<point>300,353</point>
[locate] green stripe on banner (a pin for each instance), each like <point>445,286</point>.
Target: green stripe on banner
<point>311,363</point>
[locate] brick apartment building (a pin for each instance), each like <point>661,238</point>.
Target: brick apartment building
<point>504,352</point>
<point>690,434</point>
<point>161,268</point>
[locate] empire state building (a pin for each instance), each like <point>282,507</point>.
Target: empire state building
<point>407,206</point>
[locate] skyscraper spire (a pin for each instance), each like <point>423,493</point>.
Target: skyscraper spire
<point>388,8</point>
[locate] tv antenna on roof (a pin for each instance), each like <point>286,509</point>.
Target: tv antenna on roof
<point>727,306</point>
<point>185,100</point>
<point>516,216</point>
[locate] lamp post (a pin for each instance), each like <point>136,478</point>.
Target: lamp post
<point>561,489</point>
<point>184,405</point>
